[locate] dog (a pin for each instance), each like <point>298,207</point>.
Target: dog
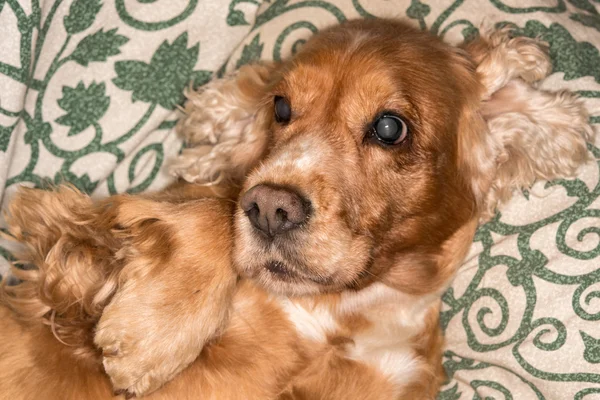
<point>326,204</point>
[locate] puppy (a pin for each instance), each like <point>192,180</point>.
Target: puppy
<point>363,166</point>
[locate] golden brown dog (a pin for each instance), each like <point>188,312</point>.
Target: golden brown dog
<point>363,167</point>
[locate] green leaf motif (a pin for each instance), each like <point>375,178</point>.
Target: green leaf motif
<point>591,353</point>
<point>575,59</point>
<point>82,14</point>
<point>84,106</point>
<point>200,78</point>
<point>236,18</point>
<point>162,80</point>
<point>98,47</point>
<point>251,52</point>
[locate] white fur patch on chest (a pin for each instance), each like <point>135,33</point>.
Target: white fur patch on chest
<point>398,363</point>
<point>387,344</point>
<point>314,324</point>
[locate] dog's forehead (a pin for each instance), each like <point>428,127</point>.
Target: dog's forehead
<point>348,75</point>
<point>337,72</point>
<point>355,76</point>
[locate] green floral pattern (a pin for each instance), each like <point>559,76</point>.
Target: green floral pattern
<point>89,89</point>
<point>87,93</point>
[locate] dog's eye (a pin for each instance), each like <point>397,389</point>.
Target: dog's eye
<point>390,129</point>
<point>283,110</point>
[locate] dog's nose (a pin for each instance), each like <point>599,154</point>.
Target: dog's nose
<point>274,210</point>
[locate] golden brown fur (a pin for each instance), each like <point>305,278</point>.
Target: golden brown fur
<point>174,295</point>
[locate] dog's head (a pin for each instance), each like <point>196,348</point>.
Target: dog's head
<point>364,179</point>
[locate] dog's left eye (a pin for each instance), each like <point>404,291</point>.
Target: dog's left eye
<point>283,110</point>
<point>390,129</point>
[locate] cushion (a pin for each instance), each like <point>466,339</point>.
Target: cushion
<point>521,318</point>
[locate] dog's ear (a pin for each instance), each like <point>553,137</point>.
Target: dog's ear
<point>224,126</point>
<point>475,147</point>
<point>529,134</point>
<point>501,58</point>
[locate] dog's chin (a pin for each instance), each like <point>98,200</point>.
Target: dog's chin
<point>281,278</point>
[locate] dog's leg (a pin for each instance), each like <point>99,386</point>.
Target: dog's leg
<point>174,292</point>
<point>160,263</point>
<point>223,128</point>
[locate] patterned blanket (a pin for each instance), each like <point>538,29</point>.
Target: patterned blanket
<point>88,93</point>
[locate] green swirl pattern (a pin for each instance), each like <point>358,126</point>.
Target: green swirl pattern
<point>88,93</point>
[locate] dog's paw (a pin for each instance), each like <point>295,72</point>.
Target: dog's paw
<point>134,350</point>
<point>145,341</point>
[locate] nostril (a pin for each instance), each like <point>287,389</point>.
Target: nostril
<point>253,214</point>
<point>281,215</point>
<point>252,208</point>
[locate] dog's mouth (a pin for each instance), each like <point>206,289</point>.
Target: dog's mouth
<point>284,272</point>
<point>280,271</point>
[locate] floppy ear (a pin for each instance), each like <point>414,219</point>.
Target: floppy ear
<point>501,58</point>
<point>476,149</point>
<point>224,127</point>
<point>530,134</point>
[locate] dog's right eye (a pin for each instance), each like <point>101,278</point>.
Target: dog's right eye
<point>283,110</point>
<point>389,129</point>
